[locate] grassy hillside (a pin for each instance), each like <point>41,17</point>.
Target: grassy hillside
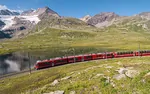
<point>89,77</point>
<point>109,39</point>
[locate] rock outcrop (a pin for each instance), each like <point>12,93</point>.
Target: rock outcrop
<point>103,19</point>
<point>144,15</point>
<point>126,72</point>
<point>86,18</point>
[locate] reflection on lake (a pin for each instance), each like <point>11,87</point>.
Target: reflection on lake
<point>19,61</point>
<point>15,62</point>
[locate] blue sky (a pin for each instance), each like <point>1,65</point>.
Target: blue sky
<point>80,8</point>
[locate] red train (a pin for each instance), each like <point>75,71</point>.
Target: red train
<point>87,57</point>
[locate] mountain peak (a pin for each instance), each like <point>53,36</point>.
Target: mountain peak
<point>39,11</point>
<point>27,12</point>
<point>85,18</point>
<point>8,12</point>
<point>145,15</point>
<point>106,14</point>
<point>103,19</point>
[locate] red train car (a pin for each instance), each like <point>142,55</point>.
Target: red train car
<point>109,55</point>
<point>87,57</point>
<point>71,59</point>
<point>43,64</point>
<point>98,56</point>
<point>144,53</point>
<point>124,54</point>
<point>79,58</point>
<point>60,61</point>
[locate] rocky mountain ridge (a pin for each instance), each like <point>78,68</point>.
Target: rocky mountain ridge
<point>45,17</point>
<point>86,18</point>
<point>27,20</point>
<point>103,19</point>
<point>8,12</point>
<point>39,11</point>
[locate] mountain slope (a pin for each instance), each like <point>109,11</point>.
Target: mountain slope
<point>1,24</point>
<point>62,23</point>
<point>103,19</point>
<point>3,35</point>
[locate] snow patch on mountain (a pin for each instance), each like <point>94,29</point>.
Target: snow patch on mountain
<point>86,18</point>
<point>8,20</point>
<point>33,19</point>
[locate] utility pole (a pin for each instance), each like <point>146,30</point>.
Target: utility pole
<point>74,54</point>
<point>29,64</point>
<point>139,48</point>
<point>106,54</point>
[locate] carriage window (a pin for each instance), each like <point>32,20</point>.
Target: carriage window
<point>89,57</point>
<point>71,58</point>
<point>109,54</point>
<point>77,58</point>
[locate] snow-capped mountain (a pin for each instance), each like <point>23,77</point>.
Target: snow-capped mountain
<point>39,11</point>
<point>8,12</point>
<point>30,16</point>
<point>25,13</point>
<point>13,21</point>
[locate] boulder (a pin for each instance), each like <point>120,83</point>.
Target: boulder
<point>55,92</point>
<point>72,92</point>
<point>148,74</point>
<point>65,78</point>
<point>59,92</point>
<point>122,70</point>
<point>54,82</point>
<point>119,76</point>
<point>97,75</point>
<point>131,73</point>
<point>108,67</point>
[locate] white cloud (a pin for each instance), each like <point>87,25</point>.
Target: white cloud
<point>20,11</point>
<point>3,7</point>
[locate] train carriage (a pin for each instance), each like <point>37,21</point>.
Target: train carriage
<point>71,59</point>
<point>60,61</point>
<point>43,64</point>
<point>87,57</point>
<point>79,58</point>
<point>99,56</point>
<point>124,54</point>
<point>144,53</point>
<point>109,55</point>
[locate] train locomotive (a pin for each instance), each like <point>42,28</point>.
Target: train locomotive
<point>87,57</point>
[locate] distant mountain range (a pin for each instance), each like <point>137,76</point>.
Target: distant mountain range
<point>12,23</point>
<point>8,12</point>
